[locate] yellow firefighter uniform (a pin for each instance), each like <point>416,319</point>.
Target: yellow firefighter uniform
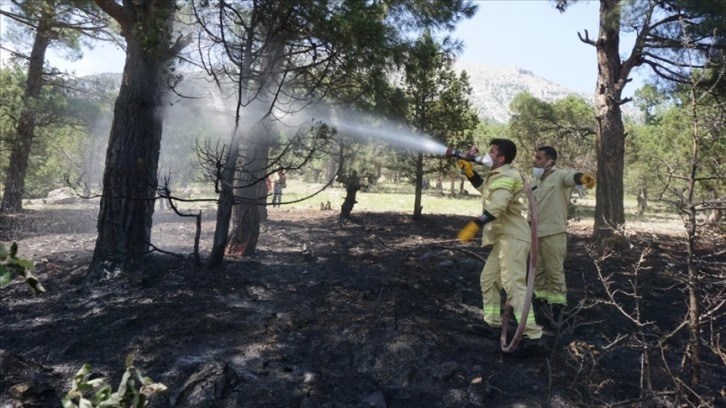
<point>552,195</point>
<point>509,233</point>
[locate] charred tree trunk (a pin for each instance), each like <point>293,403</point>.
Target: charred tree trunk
<point>225,203</point>
<point>12,200</point>
<point>246,215</point>
<point>246,232</point>
<point>610,137</point>
<point>252,205</point>
<point>245,235</point>
<point>348,203</point>
<point>132,156</point>
<point>352,185</point>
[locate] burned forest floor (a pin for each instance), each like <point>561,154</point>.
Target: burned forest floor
<point>370,312</point>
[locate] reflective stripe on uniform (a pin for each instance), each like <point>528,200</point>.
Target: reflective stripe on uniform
<point>557,299</point>
<point>542,295</point>
<point>530,318</point>
<point>510,184</point>
<point>492,310</point>
<point>551,297</point>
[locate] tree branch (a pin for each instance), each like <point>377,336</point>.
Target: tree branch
<point>587,39</point>
<point>180,43</point>
<point>113,9</point>
<point>20,19</point>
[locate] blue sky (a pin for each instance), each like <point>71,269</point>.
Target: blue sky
<point>530,34</point>
<point>533,35</point>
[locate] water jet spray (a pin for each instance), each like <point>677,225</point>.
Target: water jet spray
<point>396,138</point>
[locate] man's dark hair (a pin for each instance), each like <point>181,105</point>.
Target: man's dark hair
<point>549,152</point>
<point>506,147</point>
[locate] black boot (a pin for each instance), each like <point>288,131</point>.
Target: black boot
<point>556,318</point>
<point>529,348</point>
<point>541,311</point>
<point>484,330</point>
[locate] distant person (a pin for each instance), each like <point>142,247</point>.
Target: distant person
<point>507,230</point>
<point>552,188</point>
<point>278,183</point>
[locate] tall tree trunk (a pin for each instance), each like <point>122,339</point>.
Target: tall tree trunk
<point>610,137</point>
<point>262,193</point>
<point>609,208</point>
<point>246,215</point>
<point>12,200</point>
<point>693,352</point>
<point>417,208</point>
<point>246,231</point>
<point>225,202</point>
<point>132,156</point>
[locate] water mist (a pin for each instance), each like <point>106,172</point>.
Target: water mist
<point>358,126</point>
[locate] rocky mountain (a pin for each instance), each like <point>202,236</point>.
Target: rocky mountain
<point>494,87</point>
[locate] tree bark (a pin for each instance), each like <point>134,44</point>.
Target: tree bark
<point>246,232</point>
<point>417,208</point>
<point>132,155</point>
<point>352,185</point>
<point>610,136</point>
<point>225,203</point>
<point>693,352</point>
<point>253,208</point>
<point>12,200</point>
<point>246,215</point>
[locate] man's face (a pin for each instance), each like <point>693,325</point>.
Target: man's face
<point>540,160</point>
<point>497,158</point>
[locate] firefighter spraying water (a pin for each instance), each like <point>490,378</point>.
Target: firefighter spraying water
<point>505,228</point>
<point>512,240</point>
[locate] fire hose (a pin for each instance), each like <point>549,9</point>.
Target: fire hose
<point>534,248</point>
<point>508,348</point>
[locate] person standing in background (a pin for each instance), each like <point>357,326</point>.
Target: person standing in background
<point>279,183</point>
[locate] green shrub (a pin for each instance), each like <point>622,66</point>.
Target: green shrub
<point>11,265</point>
<point>133,391</point>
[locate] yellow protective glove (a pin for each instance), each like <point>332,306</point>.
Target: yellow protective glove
<point>470,230</point>
<point>465,166</point>
<point>587,180</point>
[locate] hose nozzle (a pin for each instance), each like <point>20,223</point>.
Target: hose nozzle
<point>451,152</point>
<point>468,156</point>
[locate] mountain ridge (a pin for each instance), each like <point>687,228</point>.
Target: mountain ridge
<point>494,87</point>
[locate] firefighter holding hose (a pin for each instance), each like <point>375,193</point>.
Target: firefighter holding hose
<point>552,187</point>
<point>506,229</point>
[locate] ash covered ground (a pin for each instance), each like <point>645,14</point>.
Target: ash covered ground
<point>366,313</point>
